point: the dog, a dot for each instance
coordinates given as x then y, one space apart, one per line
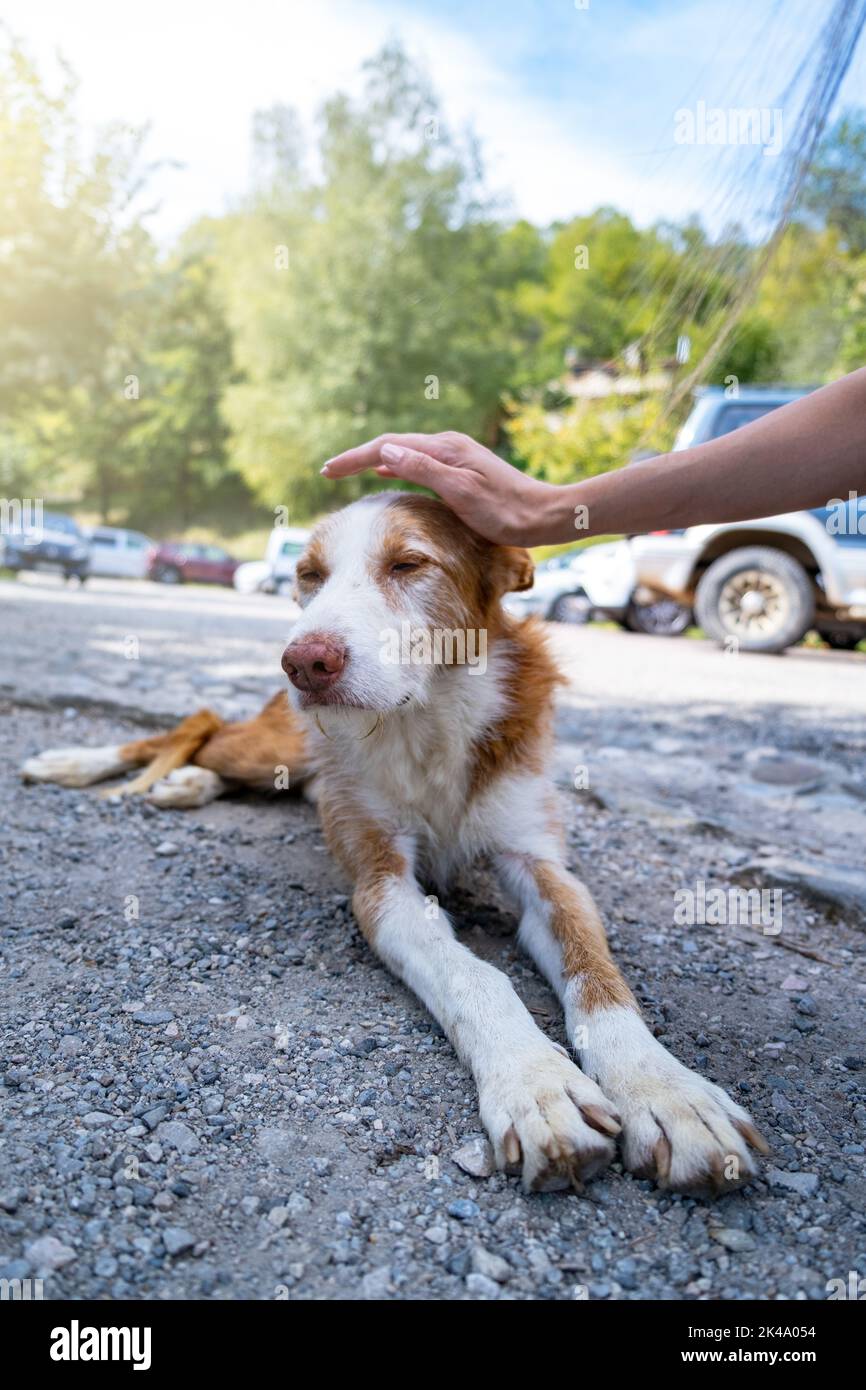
423 761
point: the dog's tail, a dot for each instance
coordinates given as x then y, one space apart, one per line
174 750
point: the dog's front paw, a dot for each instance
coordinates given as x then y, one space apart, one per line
678 1127
687 1133
548 1120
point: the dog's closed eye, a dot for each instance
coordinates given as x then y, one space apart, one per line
407 564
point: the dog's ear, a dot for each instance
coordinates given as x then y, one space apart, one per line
513 569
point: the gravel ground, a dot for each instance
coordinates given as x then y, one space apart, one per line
213 1090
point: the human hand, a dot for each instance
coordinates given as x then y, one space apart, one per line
488 494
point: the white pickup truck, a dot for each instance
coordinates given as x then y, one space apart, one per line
762 584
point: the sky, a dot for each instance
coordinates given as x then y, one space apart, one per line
575 101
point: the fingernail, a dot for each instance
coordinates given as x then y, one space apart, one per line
391 453
325 468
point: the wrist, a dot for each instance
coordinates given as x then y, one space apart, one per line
534 514
561 514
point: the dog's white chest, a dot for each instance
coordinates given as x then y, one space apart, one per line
415 775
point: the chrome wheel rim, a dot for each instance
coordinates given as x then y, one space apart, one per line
753 603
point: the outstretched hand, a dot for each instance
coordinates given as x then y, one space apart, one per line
488 494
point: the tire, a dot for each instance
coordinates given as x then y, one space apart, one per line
664 618
167 574
758 596
842 641
570 608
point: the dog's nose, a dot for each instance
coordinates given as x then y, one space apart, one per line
314 663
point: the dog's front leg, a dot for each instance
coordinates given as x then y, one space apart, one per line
542 1114
677 1126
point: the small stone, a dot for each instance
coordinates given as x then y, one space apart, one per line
176 1240
475 1157
804 1184
154 1117
481 1287
733 1239
490 1265
166 847
177 1135
437 1235
376 1284
794 983
464 1210
278 1216
49 1253
96 1118
150 1018
625 1272
787 772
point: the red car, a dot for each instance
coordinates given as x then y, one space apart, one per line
178 562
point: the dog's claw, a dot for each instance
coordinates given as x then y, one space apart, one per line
600 1119
511 1145
752 1136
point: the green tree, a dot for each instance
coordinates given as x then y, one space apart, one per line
375 296
834 192
74 261
178 435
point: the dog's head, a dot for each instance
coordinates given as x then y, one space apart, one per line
394 589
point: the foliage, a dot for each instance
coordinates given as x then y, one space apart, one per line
835 189
372 298
589 437
367 283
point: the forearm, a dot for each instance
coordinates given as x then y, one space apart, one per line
799 456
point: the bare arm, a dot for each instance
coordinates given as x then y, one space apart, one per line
799 456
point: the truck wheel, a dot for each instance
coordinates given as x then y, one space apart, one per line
570 608
664 618
167 574
758 596
840 640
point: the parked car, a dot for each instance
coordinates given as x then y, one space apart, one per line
598 582
58 544
767 582
119 554
275 574
178 562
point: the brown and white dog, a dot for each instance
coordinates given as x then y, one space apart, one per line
424 760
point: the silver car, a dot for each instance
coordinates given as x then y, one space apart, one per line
119 554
